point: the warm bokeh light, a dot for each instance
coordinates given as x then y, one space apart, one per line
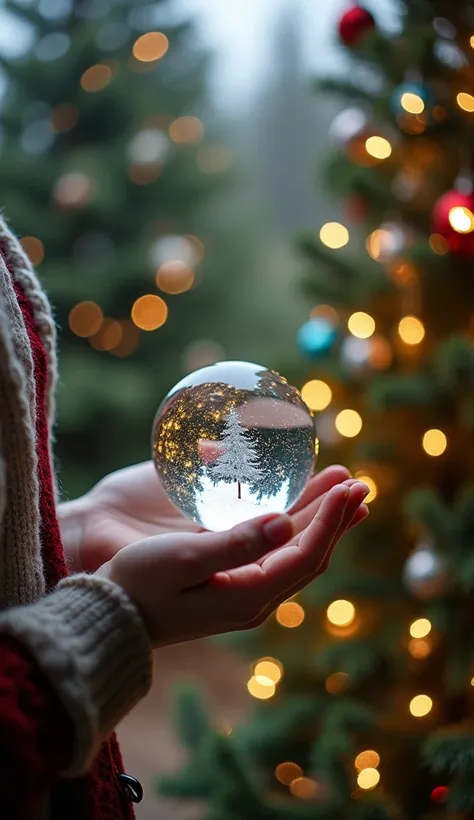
367 759
381 354
419 648
316 394
149 312
73 190
465 101
461 219
290 614
175 277
434 442
304 787
269 668
378 147
412 103
439 244
368 778
150 47
96 77
142 174
369 481
214 159
325 312
420 705
33 248
64 118
334 235
348 423
361 325
261 688
186 130
420 628
403 272
472 681
337 683
128 341
108 336
341 613
287 772
471 41
197 245
411 330
85 319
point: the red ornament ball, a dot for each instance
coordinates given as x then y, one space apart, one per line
354 23
453 219
439 794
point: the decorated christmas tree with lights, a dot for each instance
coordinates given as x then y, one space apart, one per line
364 682
109 166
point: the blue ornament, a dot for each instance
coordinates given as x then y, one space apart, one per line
412 98
316 336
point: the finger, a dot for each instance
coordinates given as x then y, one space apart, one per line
303 518
320 484
215 552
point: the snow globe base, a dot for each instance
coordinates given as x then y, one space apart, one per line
231 442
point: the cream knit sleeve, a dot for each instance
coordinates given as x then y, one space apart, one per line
89 639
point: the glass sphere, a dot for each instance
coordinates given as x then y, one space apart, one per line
233 441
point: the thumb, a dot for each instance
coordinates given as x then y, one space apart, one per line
244 544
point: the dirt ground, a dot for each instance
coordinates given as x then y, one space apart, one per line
147 736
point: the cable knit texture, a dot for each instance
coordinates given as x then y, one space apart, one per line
85 635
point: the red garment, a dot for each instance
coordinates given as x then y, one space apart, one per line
30 712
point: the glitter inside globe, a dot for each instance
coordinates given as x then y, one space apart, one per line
233 441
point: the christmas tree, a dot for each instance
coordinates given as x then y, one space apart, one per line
237 463
366 679
111 160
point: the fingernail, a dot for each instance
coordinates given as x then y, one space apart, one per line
278 530
363 487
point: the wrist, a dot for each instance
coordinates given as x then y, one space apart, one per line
72 517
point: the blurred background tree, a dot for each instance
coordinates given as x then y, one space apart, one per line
364 682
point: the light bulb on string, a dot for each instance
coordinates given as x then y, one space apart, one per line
420 628
341 613
434 442
420 705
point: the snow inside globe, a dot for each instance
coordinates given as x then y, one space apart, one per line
233 441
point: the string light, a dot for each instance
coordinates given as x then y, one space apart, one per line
471 41
186 130
438 244
378 147
304 787
175 277
434 442
420 628
361 325
149 312
412 103
348 423
336 683
261 688
380 356
368 778
290 614
334 235
325 312
108 336
465 101
286 772
411 330
461 219
341 613
269 668
96 77
85 319
64 118
472 681
316 394
419 648
367 760
150 47
370 483
421 705
33 248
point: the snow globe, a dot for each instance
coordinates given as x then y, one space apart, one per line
233 441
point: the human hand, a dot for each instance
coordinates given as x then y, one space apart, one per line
131 504
191 585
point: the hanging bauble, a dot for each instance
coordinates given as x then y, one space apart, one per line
354 23
412 97
453 219
425 573
317 336
389 241
348 125
233 441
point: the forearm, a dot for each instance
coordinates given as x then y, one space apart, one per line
89 641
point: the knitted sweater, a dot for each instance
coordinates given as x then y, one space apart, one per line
74 654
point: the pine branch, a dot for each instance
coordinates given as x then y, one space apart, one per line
425 507
191 719
389 392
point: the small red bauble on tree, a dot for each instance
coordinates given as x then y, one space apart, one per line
453 219
354 23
